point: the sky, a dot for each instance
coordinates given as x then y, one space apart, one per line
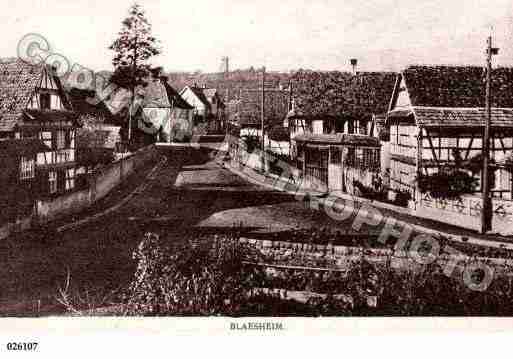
283 35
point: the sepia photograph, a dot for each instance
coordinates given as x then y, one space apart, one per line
259 165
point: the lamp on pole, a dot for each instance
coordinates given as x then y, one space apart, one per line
486 214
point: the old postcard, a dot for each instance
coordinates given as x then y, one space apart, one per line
255 167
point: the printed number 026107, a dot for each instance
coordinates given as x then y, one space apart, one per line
25 346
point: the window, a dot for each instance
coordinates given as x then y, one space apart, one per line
70 178
27 168
359 158
52 181
45 101
61 139
46 136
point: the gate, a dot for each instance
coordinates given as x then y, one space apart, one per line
316 166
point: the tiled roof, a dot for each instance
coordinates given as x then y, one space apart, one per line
276 106
81 105
462 117
17 83
341 94
200 94
338 139
177 100
457 86
154 94
159 93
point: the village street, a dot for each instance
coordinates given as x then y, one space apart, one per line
190 193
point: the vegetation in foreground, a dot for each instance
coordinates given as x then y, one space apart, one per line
218 275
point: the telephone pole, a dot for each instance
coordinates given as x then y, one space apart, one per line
486 214
262 119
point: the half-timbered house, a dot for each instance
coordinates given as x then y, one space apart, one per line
436 121
337 110
165 114
33 106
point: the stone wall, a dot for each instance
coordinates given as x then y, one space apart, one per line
100 184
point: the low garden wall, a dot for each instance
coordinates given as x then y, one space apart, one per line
466 212
329 257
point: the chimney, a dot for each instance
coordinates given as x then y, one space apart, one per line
354 63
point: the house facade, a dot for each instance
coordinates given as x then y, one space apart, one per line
331 127
18 177
338 102
33 106
208 106
436 122
338 162
163 115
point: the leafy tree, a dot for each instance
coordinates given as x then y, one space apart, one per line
133 48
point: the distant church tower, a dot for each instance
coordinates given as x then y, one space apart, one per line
225 64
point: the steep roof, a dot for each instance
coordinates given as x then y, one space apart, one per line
153 94
159 93
455 96
79 101
17 83
177 100
200 94
250 107
342 94
457 86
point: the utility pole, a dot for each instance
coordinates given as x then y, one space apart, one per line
226 109
486 214
262 119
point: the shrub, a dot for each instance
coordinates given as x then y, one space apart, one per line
200 277
448 184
